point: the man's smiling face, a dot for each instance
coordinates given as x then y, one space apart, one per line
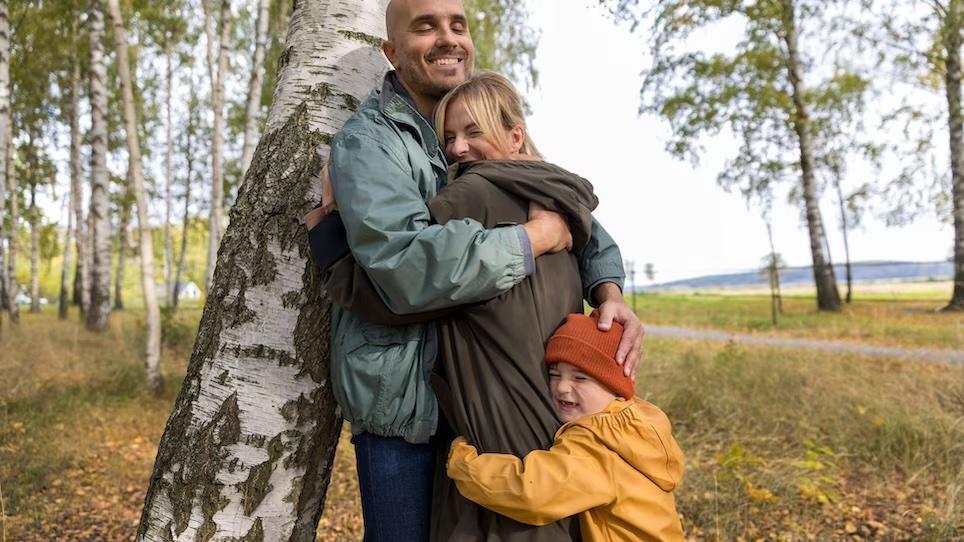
430 47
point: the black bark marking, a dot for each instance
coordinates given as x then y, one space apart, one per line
372 41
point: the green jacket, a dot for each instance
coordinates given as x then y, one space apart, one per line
385 165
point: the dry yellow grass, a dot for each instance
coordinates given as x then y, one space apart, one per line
779 445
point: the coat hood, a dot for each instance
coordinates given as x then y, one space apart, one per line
547 184
641 434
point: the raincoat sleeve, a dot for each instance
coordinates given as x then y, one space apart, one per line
415 265
600 261
572 476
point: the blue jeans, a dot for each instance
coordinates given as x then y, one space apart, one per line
395 481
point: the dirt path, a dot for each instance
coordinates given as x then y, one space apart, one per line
919 354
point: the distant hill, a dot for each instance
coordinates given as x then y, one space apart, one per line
862 272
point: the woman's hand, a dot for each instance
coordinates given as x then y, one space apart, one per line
548 231
327 200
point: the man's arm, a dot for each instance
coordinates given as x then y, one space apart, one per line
601 268
415 265
546 486
599 262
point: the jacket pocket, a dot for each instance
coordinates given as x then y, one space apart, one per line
376 375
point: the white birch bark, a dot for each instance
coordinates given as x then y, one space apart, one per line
72 222
247 451
152 347
254 87
828 297
98 313
168 157
217 68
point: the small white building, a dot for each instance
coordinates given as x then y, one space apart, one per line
189 290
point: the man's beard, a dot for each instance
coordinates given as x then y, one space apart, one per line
429 88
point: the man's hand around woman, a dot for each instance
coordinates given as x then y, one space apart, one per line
613 307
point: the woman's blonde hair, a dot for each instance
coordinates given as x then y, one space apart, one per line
494 106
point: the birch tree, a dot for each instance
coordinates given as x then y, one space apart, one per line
4 142
98 314
254 86
921 40
73 221
760 92
152 347
168 172
189 135
951 40
247 451
81 286
217 68
34 170
124 242
14 197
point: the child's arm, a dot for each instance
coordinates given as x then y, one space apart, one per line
548 485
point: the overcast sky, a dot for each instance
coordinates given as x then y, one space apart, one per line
659 209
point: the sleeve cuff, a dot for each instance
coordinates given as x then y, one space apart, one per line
529 262
591 298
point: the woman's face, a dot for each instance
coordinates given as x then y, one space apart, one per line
465 142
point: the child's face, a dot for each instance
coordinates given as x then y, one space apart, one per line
576 394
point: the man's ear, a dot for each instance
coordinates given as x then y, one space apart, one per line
388 48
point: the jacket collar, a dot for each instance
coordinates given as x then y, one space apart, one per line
395 104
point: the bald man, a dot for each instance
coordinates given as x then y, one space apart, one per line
386 164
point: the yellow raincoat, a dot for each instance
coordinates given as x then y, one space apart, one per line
616 468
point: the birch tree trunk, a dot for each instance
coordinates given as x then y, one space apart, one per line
4 143
74 189
247 451
152 347
33 219
13 287
254 87
98 313
828 298
954 21
186 217
123 248
81 276
846 242
168 156
216 72
63 300
185 231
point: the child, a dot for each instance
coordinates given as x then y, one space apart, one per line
614 462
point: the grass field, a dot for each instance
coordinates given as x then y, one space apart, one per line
780 445
900 315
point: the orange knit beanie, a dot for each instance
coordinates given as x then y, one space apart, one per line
580 343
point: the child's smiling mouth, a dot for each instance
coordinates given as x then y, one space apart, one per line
566 406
